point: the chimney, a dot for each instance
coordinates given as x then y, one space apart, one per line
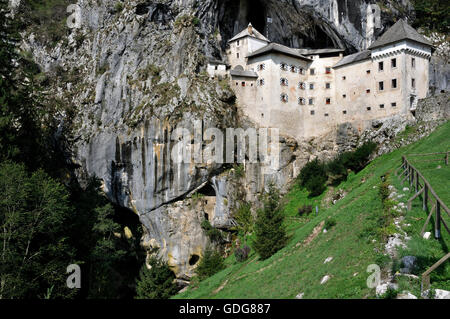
250 29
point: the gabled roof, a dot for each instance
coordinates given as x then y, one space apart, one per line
275 47
243 73
244 33
398 32
360 56
319 51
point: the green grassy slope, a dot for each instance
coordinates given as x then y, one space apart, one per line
299 267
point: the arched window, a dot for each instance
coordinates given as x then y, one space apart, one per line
302 85
293 69
284 97
261 67
261 82
284 82
301 101
284 66
301 71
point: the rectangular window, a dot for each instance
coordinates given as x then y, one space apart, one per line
381 86
238 43
369 108
381 106
312 112
328 70
394 104
394 63
313 71
243 83
328 100
394 83
413 83
368 91
380 66
311 86
311 101
344 112
328 85
368 71
413 63
237 54
326 114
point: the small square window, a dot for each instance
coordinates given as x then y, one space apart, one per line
243 83
368 91
328 100
394 83
312 112
344 96
311 86
328 85
368 71
381 106
326 114
344 78
369 108
327 70
394 63
394 104
344 112
313 71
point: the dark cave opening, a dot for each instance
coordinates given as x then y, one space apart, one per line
256 15
193 260
298 30
207 190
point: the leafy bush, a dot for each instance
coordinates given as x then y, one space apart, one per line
244 218
305 210
157 282
269 228
384 191
241 254
337 171
213 233
211 263
329 223
313 177
357 160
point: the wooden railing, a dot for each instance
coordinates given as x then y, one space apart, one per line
429 196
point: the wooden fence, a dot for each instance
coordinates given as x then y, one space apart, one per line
429 197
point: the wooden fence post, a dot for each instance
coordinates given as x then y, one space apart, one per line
417 182
446 158
425 197
437 231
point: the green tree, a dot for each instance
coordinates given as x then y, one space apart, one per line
35 253
211 263
269 228
244 218
156 282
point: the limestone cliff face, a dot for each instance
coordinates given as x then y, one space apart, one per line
132 73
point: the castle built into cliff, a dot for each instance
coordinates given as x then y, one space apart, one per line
310 92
